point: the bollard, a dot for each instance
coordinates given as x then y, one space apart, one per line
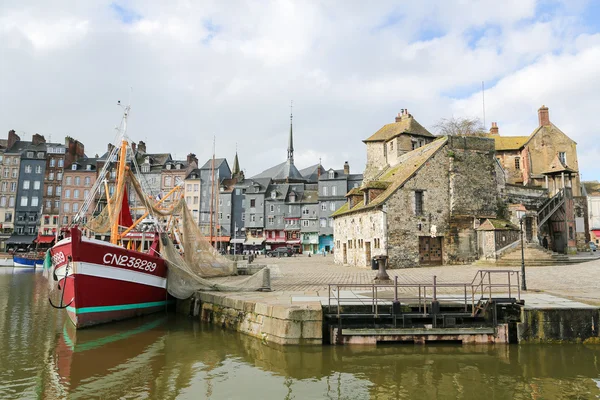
266 281
382 274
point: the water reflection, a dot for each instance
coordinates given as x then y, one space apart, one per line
166 357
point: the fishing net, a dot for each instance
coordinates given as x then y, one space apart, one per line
189 269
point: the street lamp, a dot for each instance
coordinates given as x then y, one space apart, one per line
521 216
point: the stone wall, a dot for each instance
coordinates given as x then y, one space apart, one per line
472 176
507 159
252 314
530 196
348 230
404 227
376 160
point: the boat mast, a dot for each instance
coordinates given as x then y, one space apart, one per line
117 198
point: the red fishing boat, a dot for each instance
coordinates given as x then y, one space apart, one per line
101 281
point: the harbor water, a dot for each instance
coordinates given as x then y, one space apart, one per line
166 356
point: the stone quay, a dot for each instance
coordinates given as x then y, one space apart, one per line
562 303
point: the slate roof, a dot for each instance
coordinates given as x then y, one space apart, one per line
312 173
218 162
397 176
407 124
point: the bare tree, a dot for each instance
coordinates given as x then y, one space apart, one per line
460 126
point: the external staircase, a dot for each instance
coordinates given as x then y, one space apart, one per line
534 255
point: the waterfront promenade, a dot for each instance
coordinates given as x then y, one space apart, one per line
311 275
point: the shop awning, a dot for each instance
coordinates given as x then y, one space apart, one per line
293 241
20 239
254 241
596 232
238 241
45 239
219 238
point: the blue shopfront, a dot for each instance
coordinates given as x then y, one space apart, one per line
326 243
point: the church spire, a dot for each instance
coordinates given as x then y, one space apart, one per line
236 173
290 150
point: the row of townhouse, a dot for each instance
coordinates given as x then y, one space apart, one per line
281 206
45 185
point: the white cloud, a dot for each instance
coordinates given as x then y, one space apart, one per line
230 70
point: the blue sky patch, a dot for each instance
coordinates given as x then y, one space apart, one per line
212 30
126 15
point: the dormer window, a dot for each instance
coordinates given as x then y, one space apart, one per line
74 167
331 174
273 194
169 166
30 154
147 160
88 167
40 154
292 197
178 166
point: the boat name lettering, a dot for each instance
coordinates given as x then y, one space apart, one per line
127 261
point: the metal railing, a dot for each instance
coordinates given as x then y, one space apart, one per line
422 295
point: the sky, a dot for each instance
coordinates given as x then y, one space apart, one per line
197 70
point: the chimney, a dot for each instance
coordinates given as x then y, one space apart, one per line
133 147
399 117
346 168
141 147
12 138
494 129
544 116
192 158
37 139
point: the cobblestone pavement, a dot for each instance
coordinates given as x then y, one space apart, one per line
311 275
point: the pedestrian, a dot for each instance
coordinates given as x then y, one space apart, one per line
545 242
324 253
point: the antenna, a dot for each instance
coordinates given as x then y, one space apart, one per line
483 100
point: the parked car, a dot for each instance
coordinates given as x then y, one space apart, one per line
281 252
593 246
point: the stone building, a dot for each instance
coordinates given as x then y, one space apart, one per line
388 144
547 158
424 209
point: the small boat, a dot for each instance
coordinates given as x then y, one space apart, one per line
27 260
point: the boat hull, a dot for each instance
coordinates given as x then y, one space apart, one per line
102 282
24 262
